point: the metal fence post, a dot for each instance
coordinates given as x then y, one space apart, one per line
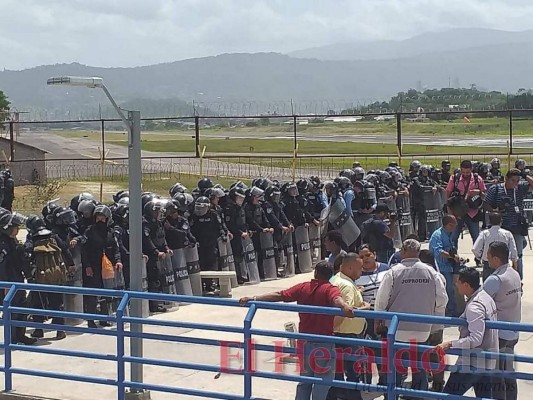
248 349
295 131
8 376
399 135
121 373
11 142
510 132
391 372
197 135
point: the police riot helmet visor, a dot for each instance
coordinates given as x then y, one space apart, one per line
67 217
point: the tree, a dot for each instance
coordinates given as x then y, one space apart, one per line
4 106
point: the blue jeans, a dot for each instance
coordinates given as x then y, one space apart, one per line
519 240
473 228
450 291
318 361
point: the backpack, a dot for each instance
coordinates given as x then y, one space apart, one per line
49 265
369 235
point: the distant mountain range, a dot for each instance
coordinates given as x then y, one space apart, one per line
357 72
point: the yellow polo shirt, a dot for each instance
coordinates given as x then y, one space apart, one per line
352 296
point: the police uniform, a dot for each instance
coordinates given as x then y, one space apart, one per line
236 223
257 221
207 229
153 242
14 267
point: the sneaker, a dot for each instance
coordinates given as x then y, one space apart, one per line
104 324
92 324
61 335
37 333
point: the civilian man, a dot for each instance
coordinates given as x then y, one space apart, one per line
494 234
411 287
505 287
318 357
475 336
508 199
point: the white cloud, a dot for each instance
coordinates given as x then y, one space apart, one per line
140 32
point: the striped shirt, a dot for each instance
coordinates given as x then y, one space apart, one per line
500 197
370 281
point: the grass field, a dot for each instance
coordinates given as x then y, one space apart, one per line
351 145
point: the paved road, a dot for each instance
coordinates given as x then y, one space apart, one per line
80 157
440 140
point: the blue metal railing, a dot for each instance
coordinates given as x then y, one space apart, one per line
121 358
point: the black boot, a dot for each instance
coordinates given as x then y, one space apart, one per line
20 337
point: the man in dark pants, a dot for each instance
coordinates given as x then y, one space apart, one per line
505 287
14 268
257 222
236 224
317 292
475 336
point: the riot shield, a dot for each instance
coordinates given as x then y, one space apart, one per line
231 263
181 274
193 268
166 277
288 251
343 222
314 239
222 255
250 261
269 255
405 222
431 204
74 302
390 202
303 247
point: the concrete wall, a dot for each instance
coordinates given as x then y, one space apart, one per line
28 164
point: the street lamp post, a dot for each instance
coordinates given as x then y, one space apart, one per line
133 125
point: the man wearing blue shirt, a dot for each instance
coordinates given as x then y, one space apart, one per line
442 248
508 199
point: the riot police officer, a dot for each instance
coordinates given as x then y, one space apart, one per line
414 167
417 199
495 170
207 227
446 168
9 190
257 222
14 267
122 233
236 223
522 166
316 199
154 245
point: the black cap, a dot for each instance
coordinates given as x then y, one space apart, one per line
382 208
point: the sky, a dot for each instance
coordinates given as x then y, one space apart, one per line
143 32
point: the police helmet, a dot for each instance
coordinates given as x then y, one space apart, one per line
124 200
154 209
359 173
315 182
425 170
356 164
303 186
347 173
86 208
239 184
385 177
204 184
290 188
34 223
214 192
396 175
256 192
445 165
415 165
104 210
237 194
484 169
273 194
177 188
372 179
201 206
146 197
393 164
64 216
121 214
495 163
120 194
520 164
9 220
7 173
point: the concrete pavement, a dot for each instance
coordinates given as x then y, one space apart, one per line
226 316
